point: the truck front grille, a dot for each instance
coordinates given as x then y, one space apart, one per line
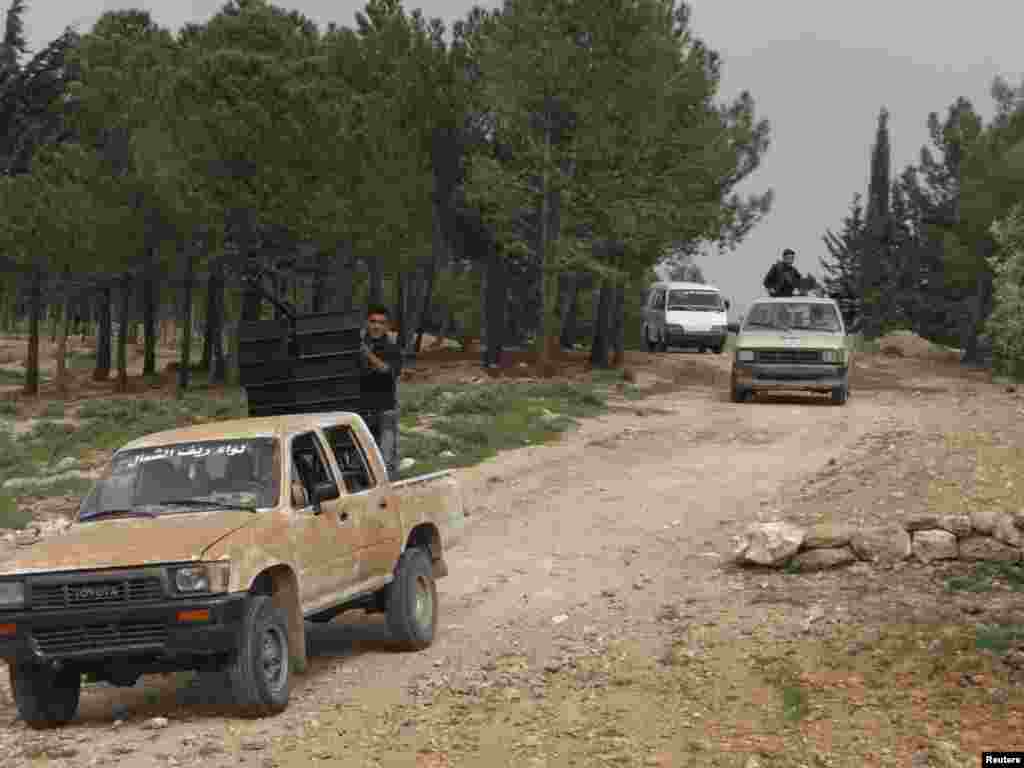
788 356
56 641
86 594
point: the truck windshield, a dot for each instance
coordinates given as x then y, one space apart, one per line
794 315
183 477
706 301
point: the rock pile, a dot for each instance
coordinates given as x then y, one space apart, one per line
985 535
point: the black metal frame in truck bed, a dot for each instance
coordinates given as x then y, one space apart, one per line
300 363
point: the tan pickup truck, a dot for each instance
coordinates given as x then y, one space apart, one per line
207 548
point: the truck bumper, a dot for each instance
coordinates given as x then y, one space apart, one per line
681 337
809 378
164 630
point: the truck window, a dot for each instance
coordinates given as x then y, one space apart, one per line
309 459
355 469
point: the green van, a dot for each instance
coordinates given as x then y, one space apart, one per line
796 343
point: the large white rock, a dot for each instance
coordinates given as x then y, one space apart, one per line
770 543
882 544
935 545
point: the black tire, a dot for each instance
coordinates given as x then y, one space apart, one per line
651 346
411 595
840 395
718 349
741 395
45 698
662 345
260 672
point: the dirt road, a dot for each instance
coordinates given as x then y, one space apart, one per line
569 546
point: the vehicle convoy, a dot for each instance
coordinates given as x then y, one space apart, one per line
208 547
796 343
685 315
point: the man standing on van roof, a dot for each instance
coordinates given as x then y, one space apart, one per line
783 278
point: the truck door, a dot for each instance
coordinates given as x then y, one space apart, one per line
375 509
325 543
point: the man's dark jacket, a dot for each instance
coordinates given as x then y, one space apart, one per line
782 279
379 388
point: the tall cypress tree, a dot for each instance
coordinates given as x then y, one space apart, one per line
876 254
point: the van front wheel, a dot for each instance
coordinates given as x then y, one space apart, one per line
651 346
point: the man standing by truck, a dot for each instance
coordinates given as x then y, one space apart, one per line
382 365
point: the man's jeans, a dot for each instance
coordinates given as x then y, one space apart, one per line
384 427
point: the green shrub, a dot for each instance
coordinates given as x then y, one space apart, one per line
1005 325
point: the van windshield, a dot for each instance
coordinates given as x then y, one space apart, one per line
704 301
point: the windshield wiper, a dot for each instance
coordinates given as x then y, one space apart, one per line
204 503
113 512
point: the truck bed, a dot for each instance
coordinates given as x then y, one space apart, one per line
434 497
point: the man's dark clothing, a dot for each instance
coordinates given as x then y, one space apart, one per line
782 279
379 399
380 388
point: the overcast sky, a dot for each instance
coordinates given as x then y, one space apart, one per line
819 70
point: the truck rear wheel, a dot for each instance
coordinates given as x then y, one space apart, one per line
260 674
45 697
412 601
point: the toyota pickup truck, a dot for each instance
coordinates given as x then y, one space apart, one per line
207 548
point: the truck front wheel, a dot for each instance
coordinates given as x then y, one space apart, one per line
259 673
412 601
45 697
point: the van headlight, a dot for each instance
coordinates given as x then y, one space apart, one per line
745 355
207 577
12 594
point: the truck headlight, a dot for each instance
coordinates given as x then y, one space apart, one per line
832 356
12 594
208 577
745 355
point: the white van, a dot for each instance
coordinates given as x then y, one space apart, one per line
685 315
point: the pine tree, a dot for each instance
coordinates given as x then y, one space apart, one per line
842 270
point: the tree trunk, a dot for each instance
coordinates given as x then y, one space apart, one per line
542 341
149 324
375 293
34 317
122 336
438 247
618 324
600 348
213 332
323 273
186 320
55 317
495 306
104 331
62 347
215 322
568 290
401 322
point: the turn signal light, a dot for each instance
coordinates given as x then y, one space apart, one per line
198 614
8 630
